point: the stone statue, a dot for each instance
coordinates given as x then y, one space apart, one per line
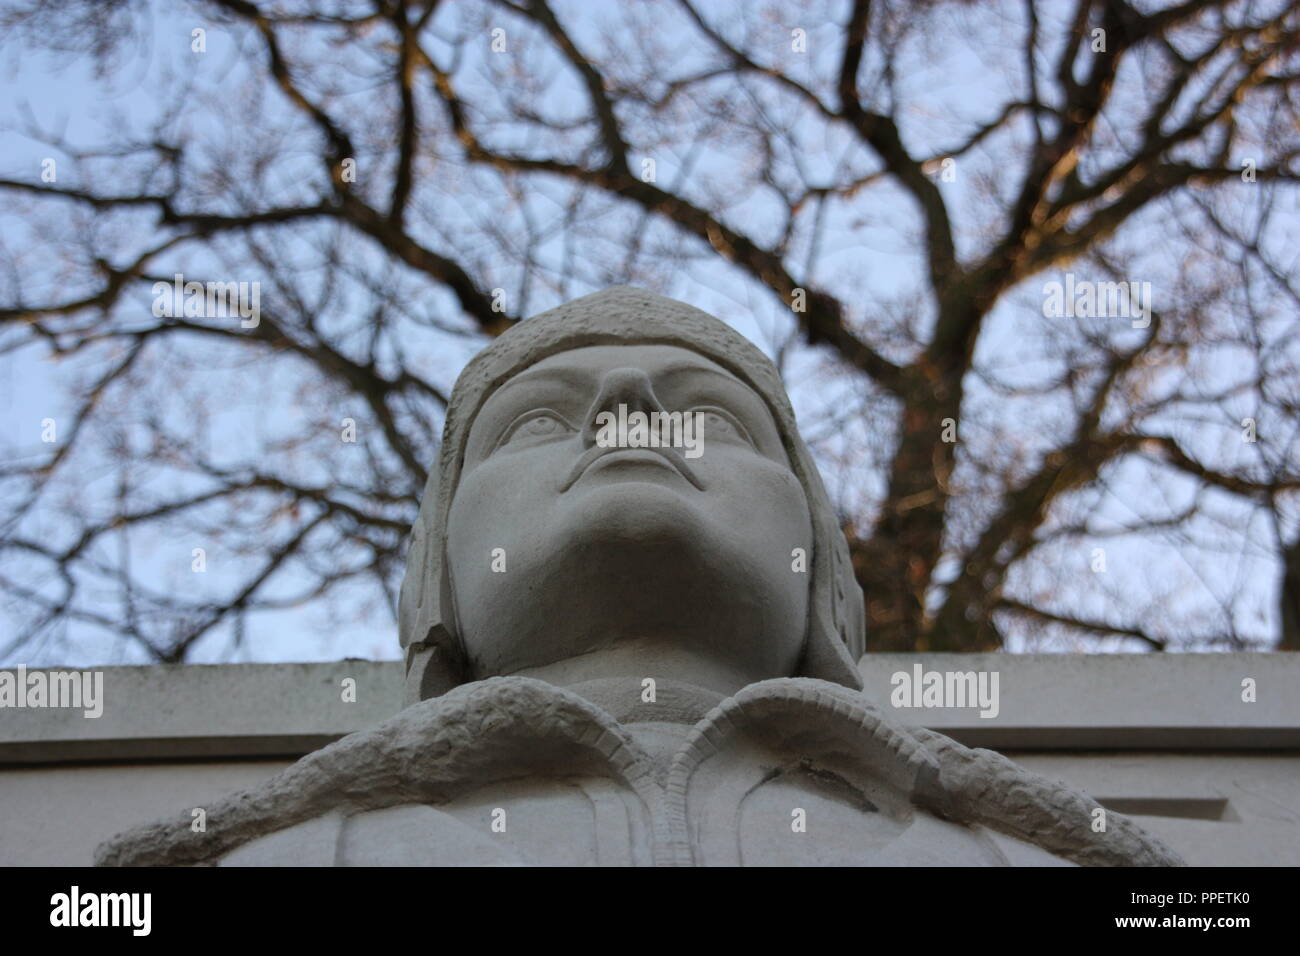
630 651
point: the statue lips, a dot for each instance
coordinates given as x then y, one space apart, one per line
668 457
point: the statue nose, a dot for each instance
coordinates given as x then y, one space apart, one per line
620 386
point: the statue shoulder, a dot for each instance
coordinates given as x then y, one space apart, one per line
920 796
431 754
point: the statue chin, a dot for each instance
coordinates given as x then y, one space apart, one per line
634 583
636 522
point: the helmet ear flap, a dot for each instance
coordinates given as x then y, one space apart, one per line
849 601
836 619
434 667
435 658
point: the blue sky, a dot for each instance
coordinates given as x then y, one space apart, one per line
862 259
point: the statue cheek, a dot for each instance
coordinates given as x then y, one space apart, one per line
775 486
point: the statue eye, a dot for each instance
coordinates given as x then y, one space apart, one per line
537 425
721 424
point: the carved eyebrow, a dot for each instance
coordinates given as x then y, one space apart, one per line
579 378
576 378
680 368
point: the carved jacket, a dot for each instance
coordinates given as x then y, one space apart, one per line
511 770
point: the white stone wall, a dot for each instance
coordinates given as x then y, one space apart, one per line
1164 738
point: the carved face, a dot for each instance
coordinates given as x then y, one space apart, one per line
669 562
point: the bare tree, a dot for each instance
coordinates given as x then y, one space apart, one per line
1029 269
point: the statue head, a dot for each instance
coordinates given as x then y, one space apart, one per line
543 549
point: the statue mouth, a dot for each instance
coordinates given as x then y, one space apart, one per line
664 457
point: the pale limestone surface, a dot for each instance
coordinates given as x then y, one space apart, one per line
578 788
583 572
1220 784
